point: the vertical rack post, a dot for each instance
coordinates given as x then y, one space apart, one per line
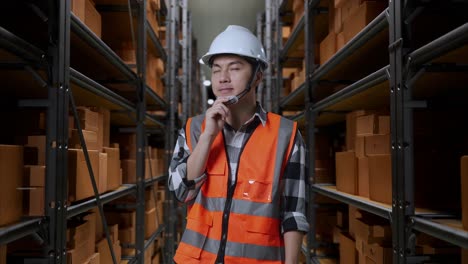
260 37
57 128
190 66
172 51
268 43
141 132
310 118
184 77
278 46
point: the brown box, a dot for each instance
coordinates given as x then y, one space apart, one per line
380 178
102 172
151 223
123 218
114 178
346 172
376 253
340 41
90 138
373 230
79 182
367 125
3 254
78 8
92 18
127 236
94 259
89 119
103 132
38 142
360 146
384 125
102 247
355 20
33 201
327 47
363 177
34 175
377 145
11 175
351 128
464 256
464 190
129 170
348 253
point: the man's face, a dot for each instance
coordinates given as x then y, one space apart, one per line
229 75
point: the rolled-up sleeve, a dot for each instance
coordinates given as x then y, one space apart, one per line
184 190
294 189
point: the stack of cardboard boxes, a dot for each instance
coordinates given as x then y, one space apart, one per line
346 19
365 167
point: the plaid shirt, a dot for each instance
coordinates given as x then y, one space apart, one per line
293 180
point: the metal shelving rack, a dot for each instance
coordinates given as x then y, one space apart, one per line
65 34
390 80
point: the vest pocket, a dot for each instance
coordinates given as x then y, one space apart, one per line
216 182
262 233
256 191
195 236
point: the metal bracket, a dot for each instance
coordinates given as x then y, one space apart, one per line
36 76
393 46
38 12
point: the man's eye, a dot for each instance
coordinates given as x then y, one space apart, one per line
235 69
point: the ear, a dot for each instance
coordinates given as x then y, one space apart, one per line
258 78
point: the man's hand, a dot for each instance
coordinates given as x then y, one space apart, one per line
215 117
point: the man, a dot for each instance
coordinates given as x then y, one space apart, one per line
241 170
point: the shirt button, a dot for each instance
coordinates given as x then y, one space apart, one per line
225 216
224 237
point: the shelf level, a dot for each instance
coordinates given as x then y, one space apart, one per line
105 198
363 203
449 230
20 48
451 47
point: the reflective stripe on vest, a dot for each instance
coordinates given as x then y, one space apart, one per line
254 230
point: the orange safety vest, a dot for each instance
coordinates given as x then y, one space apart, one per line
250 208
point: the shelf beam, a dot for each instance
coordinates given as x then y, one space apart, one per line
294 35
443 232
365 205
26 227
446 43
105 198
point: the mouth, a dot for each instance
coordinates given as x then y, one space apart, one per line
225 91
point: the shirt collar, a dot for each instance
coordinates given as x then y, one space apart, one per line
261 114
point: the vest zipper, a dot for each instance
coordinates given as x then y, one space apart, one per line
230 193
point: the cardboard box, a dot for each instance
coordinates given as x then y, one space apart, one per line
79 181
33 201
93 18
346 172
340 41
356 19
11 175
94 259
384 125
78 8
348 252
464 256
360 146
127 236
351 127
103 132
3 254
373 230
380 178
102 172
376 253
464 190
327 47
89 120
367 125
151 224
102 247
90 137
363 177
91 218
34 175
38 142
129 170
123 218
114 178
377 145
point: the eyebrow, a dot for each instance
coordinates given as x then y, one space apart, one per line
229 64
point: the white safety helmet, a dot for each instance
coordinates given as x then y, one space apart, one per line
239 41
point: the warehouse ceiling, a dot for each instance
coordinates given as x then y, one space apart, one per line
210 17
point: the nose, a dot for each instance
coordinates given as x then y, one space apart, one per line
224 77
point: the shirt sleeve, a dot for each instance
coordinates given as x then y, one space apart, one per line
184 190
294 193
